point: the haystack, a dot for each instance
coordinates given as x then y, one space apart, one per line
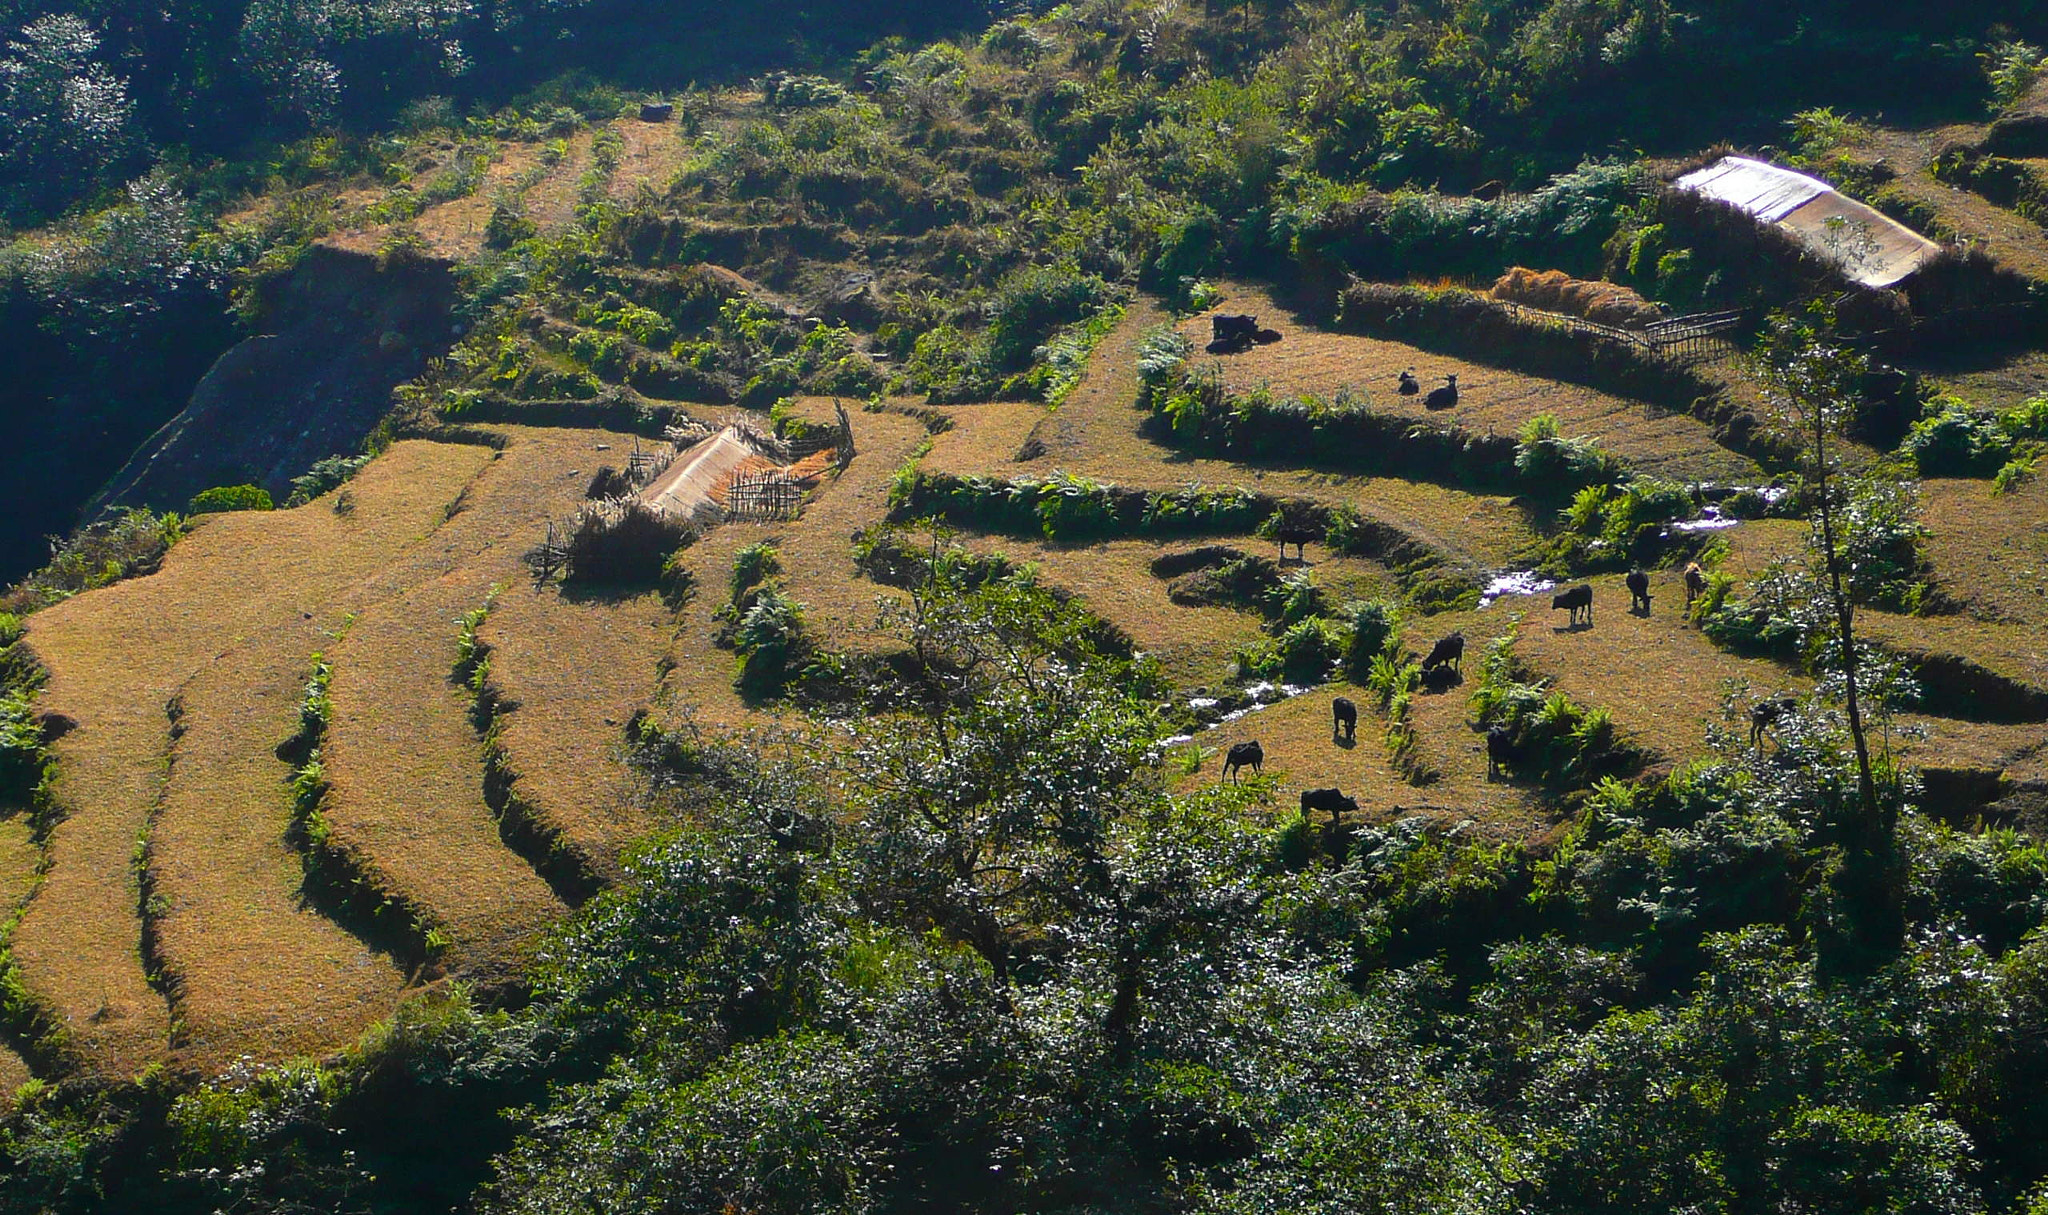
1593 299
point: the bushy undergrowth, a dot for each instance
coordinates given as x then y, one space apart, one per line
1068 507
1954 440
127 545
1550 736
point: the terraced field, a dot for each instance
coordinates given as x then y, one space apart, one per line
178 912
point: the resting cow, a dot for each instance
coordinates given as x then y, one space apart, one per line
1224 325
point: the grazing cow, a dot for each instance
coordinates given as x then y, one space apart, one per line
1408 385
1695 583
1500 749
1450 652
1345 715
1442 398
1764 714
1223 325
1578 600
1244 755
1327 799
1638 592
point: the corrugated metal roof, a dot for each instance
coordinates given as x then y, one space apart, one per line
1870 247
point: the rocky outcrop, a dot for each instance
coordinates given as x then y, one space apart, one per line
339 332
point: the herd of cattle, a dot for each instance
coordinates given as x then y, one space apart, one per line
1448 655
1236 333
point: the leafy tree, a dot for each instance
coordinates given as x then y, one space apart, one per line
65 120
1813 372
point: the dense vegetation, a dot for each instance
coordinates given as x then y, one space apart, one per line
1004 970
976 954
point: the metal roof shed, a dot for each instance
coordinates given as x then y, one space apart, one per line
1867 246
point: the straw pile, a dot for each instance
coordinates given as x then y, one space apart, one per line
1556 291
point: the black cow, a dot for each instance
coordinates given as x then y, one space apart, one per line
1327 799
1450 651
1695 583
1578 600
1408 385
1442 398
1346 718
1224 325
1244 755
1765 714
1638 592
1500 749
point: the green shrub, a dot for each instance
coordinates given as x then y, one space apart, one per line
1375 630
128 545
1075 508
751 567
1553 737
1957 441
769 637
1307 653
507 226
1031 303
2027 420
2014 474
323 476
1549 464
229 497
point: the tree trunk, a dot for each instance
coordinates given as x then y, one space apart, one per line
1866 784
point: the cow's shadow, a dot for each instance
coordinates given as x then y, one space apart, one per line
1346 741
1576 626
